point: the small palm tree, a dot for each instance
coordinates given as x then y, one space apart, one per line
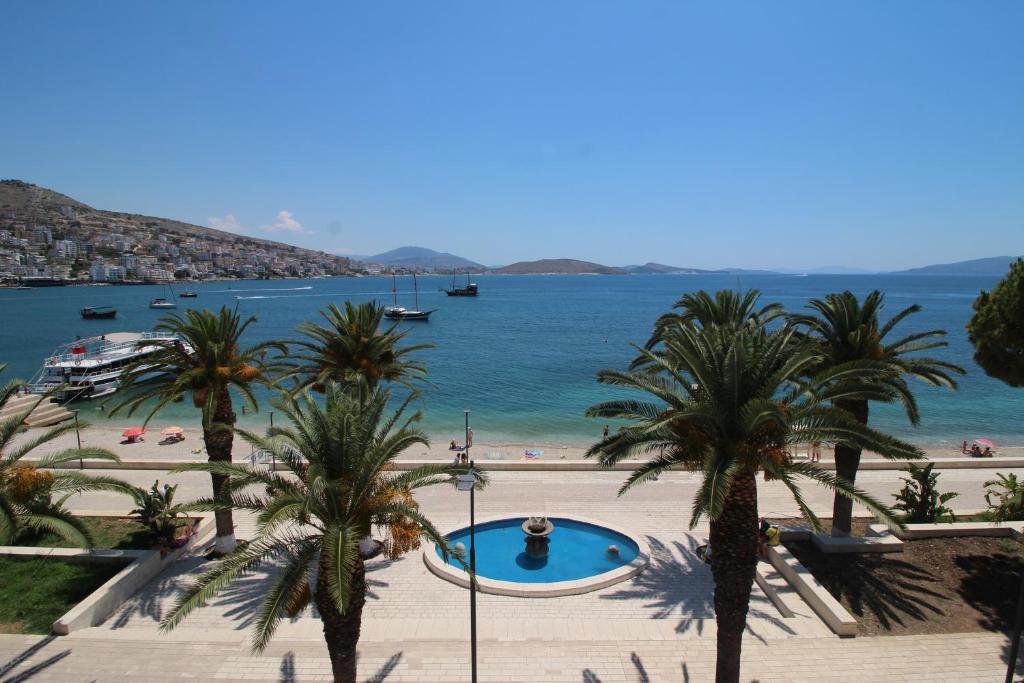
848 331
353 345
206 360
728 402
343 485
27 489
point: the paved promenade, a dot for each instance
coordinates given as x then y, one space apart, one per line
657 627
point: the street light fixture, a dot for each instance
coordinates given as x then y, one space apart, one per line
467 482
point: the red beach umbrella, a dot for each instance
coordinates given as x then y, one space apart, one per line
133 432
986 442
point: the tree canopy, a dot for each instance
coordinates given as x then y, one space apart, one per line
997 328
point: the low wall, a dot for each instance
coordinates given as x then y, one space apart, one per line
554 464
814 594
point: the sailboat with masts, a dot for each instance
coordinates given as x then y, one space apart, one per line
163 302
397 312
471 288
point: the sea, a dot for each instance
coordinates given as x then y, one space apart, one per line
523 356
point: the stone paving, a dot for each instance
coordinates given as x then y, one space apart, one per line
658 626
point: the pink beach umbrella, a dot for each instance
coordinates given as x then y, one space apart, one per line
986 442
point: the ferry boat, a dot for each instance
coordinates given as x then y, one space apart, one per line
92 367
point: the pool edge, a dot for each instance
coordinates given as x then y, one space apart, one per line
552 589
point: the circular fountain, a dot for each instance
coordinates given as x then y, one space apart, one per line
530 556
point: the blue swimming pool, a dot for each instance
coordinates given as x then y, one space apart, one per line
577 550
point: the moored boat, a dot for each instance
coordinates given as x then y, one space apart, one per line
92 367
160 302
397 312
98 313
188 294
471 288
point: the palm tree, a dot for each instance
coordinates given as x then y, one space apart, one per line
728 401
343 484
27 488
725 307
848 331
205 359
354 345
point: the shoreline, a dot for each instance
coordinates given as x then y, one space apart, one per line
155 447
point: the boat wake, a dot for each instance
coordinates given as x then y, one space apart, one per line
267 289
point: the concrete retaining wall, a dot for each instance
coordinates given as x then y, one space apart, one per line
553 464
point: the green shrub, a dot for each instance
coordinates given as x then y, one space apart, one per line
1008 494
920 499
156 509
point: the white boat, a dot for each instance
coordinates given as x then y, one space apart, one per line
92 367
164 302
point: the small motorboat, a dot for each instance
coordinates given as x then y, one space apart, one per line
98 313
162 303
188 294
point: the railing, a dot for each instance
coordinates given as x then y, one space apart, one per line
110 347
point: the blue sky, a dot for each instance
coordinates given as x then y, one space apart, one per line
782 134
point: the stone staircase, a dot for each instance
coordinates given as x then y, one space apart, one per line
47 413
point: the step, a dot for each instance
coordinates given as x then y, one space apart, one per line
44 416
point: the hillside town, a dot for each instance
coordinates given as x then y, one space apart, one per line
42 240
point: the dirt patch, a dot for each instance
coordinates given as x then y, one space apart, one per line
938 585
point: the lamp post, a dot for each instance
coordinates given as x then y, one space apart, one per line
78 437
1011 664
273 456
467 482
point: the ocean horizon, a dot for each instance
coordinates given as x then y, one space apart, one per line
523 356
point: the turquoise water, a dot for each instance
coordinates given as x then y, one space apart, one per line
523 355
577 550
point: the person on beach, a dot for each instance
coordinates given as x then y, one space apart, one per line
606 431
964 449
469 438
816 451
453 446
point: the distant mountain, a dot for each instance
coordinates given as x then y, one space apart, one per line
995 265
421 257
560 266
660 268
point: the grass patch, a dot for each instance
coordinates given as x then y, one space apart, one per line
114 533
35 592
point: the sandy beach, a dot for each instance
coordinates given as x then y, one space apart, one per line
155 447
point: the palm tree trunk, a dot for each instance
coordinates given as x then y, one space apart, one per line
219 443
847 463
341 631
733 562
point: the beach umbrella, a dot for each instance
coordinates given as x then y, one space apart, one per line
986 442
133 432
171 431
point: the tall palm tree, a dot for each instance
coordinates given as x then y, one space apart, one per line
343 484
27 488
849 331
728 401
352 345
206 360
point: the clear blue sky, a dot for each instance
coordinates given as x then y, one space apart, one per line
762 134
